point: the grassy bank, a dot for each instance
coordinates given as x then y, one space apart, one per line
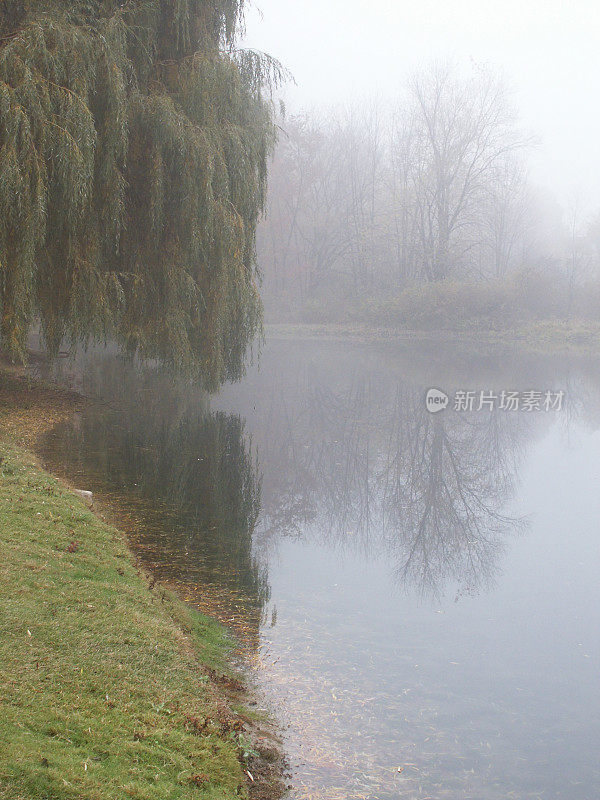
109 688
103 689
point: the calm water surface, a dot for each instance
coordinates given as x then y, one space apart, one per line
418 595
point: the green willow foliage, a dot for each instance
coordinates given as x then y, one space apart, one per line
133 146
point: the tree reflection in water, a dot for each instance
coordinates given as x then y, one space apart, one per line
447 479
368 468
349 462
178 477
356 463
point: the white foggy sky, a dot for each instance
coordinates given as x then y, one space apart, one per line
548 50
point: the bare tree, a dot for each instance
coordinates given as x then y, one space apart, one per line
324 203
578 255
362 202
506 219
360 150
453 136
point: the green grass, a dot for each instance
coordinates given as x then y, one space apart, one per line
102 688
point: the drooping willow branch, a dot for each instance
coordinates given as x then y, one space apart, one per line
133 146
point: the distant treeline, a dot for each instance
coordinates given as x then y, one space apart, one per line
419 208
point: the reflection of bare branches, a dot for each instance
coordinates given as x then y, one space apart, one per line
365 466
350 458
446 477
315 462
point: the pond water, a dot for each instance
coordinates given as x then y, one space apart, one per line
417 594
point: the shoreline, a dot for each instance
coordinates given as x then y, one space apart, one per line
547 338
70 579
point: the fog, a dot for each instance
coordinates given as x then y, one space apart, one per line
427 143
303 300
548 52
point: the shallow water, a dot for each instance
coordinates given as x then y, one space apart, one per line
417 594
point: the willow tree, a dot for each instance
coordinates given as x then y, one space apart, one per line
134 138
